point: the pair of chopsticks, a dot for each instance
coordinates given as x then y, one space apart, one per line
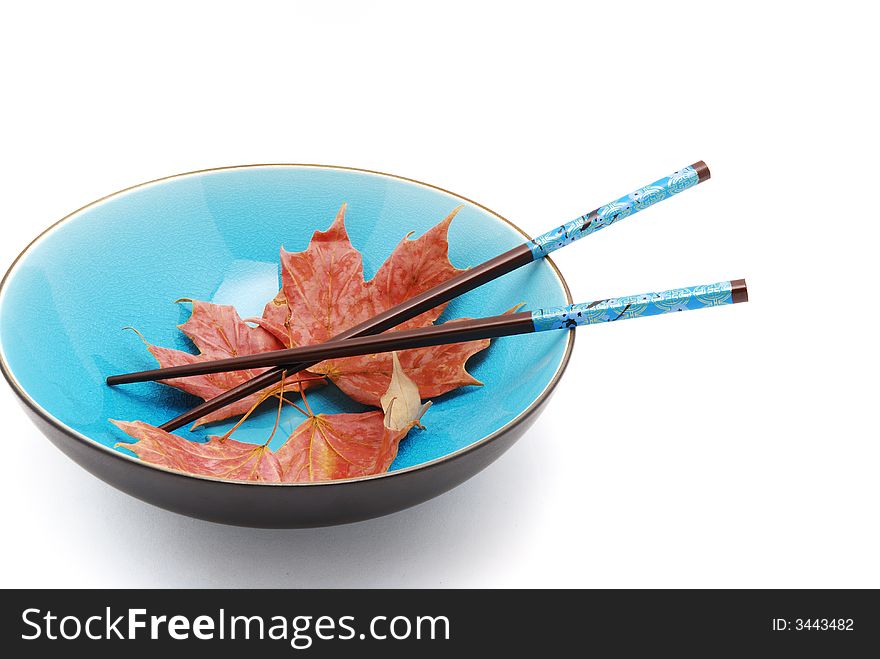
359 340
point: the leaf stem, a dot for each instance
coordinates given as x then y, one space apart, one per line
229 432
302 394
280 395
294 405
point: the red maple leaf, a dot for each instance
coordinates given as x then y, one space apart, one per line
323 293
332 446
323 447
218 332
322 290
220 458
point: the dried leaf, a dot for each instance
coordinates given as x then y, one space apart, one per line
333 446
322 294
435 370
414 267
401 402
218 332
218 458
322 290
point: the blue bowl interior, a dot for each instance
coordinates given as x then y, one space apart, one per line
215 236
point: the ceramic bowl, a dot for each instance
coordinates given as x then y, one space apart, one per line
214 235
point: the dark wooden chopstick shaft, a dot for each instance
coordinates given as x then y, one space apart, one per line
452 332
462 283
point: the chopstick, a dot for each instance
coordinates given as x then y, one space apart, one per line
474 277
524 322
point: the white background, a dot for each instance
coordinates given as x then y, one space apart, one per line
733 447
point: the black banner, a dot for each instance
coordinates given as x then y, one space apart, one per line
435 623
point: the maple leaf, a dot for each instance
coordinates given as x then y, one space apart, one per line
322 290
323 447
436 370
333 446
323 293
412 268
218 332
220 458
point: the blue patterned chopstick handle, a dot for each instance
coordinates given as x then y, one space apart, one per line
619 209
635 306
